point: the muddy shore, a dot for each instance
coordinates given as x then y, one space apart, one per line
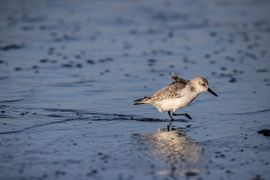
69 72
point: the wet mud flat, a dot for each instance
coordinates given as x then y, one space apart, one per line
69 73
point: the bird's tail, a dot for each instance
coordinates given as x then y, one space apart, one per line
144 100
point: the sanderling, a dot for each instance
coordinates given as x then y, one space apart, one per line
176 95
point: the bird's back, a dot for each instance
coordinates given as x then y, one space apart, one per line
172 91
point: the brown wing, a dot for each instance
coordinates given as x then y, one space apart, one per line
173 90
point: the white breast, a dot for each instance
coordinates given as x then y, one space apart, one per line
174 104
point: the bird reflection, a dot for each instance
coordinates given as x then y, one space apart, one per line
174 146
176 150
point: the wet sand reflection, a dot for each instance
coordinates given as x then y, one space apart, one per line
176 150
174 147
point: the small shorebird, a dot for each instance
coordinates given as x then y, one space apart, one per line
176 95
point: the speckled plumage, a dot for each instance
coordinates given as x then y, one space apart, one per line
171 91
177 94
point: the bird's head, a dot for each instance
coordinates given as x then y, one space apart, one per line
201 85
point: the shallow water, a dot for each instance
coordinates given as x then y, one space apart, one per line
69 73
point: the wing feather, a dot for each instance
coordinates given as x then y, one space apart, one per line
171 91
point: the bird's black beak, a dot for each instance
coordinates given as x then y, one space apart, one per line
212 92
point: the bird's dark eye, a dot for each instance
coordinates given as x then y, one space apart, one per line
203 84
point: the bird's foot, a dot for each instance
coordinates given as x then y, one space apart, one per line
188 116
183 114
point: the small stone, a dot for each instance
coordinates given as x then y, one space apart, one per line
264 132
78 65
18 68
89 61
191 173
213 34
232 80
43 60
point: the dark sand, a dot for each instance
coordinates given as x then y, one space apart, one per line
69 72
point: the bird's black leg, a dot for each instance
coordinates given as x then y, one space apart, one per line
170 114
169 127
182 114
